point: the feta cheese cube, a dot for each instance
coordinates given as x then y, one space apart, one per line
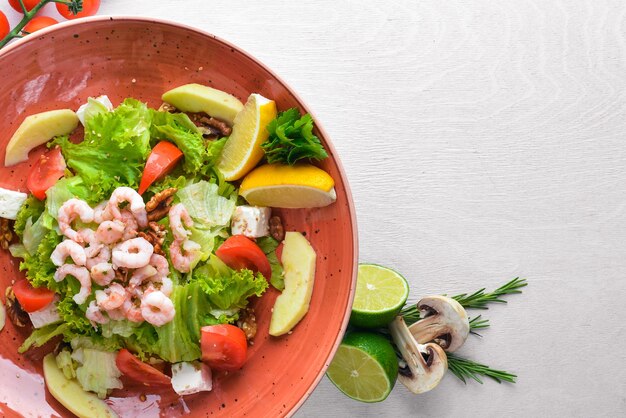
45 316
10 203
189 378
83 108
251 221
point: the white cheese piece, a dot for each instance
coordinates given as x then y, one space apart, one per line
10 203
189 378
82 109
45 316
251 221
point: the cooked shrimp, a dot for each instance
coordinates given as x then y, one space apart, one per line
182 262
164 285
130 225
134 253
160 263
110 231
179 218
102 273
101 213
94 314
68 248
111 297
132 309
69 211
117 314
135 203
156 308
140 275
102 256
89 237
81 274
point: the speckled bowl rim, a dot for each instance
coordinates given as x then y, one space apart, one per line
355 243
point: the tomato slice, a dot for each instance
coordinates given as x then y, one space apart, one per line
139 371
224 347
47 170
239 252
161 161
31 298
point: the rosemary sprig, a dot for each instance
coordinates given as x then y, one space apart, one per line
480 299
75 6
411 315
467 369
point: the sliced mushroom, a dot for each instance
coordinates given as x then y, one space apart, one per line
427 363
444 321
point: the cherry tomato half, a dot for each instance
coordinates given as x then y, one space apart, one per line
239 252
90 8
47 170
38 23
139 371
224 347
31 298
161 161
4 25
29 4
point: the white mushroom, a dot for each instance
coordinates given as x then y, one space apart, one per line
427 363
444 321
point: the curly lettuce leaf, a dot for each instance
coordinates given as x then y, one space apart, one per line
268 245
291 139
39 268
42 335
114 150
179 129
33 234
31 209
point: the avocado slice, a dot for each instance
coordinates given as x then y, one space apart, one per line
36 130
197 98
71 395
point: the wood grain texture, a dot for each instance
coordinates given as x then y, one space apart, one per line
483 141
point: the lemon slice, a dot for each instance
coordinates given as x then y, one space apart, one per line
284 186
243 149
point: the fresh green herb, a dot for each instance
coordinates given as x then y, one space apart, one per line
268 245
480 299
291 139
75 6
467 369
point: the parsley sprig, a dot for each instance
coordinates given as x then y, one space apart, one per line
291 139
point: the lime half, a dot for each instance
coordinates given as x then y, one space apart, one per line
380 295
365 367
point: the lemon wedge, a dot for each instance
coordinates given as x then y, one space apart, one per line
243 149
284 186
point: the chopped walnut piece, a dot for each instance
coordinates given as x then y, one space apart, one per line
6 233
18 316
276 228
159 205
210 126
166 107
247 323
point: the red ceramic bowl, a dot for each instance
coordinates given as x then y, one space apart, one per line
60 67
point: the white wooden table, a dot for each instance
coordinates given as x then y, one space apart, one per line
483 141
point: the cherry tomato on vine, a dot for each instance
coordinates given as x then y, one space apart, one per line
39 23
90 8
29 4
4 25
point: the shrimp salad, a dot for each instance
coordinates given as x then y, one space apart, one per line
145 234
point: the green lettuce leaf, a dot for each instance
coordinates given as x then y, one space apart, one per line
42 335
179 129
39 268
97 371
205 205
93 108
114 150
33 234
66 364
32 208
268 245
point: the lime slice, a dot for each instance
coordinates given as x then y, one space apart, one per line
365 367
380 295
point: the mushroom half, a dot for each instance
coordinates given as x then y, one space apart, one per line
427 363
444 321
